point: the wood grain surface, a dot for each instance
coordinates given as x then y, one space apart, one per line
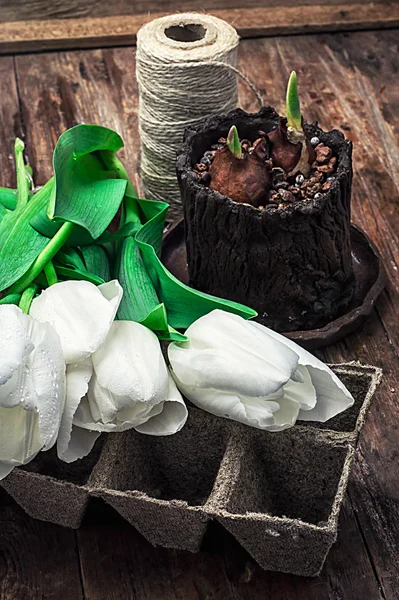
348 81
117 30
29 10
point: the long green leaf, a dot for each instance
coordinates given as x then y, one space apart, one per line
145 280
8 198
69 257
69 273
139 295
84 193
184 305
20 244
49 228
11 299
96 261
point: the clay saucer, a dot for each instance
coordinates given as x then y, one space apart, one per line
369 275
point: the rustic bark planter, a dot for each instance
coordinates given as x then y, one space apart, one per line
293 264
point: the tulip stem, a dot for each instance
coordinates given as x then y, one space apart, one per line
54 245
50 273
22 179
27 297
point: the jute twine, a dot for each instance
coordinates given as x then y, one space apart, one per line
186 71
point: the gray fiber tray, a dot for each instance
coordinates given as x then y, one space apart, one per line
279 494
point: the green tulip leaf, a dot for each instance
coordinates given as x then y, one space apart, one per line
127 230
11 299
49 228
69 257
20 244
8 198
139 295
184 305
96 261
146 282
85 193
69 273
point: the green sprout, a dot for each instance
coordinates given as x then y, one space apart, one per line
233 142
293 108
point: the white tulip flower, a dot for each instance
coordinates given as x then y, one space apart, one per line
32 387
125 384
244 371
80 312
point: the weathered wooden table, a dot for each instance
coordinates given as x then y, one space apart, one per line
349 81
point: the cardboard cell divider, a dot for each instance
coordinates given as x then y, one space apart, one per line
362 381
159 484
51 490
279 494
284 497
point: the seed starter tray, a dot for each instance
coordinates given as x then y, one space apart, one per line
279 494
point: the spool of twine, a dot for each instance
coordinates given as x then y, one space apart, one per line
186 71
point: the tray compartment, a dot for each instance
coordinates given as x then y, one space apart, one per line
362 381
284 505
159 484
50 490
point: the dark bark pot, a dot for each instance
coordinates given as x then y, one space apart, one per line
292 265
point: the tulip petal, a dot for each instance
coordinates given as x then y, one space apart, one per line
77 384
304 393
172 418
113 292
130 367
47 372
256 412
15 344
81 314
80 445
5 470
332 396
226 352
286 415
20 439
85 419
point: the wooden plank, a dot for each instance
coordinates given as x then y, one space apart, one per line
89 32
118 563
60 90
354 580
28 10
38 560
10 123
374 485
